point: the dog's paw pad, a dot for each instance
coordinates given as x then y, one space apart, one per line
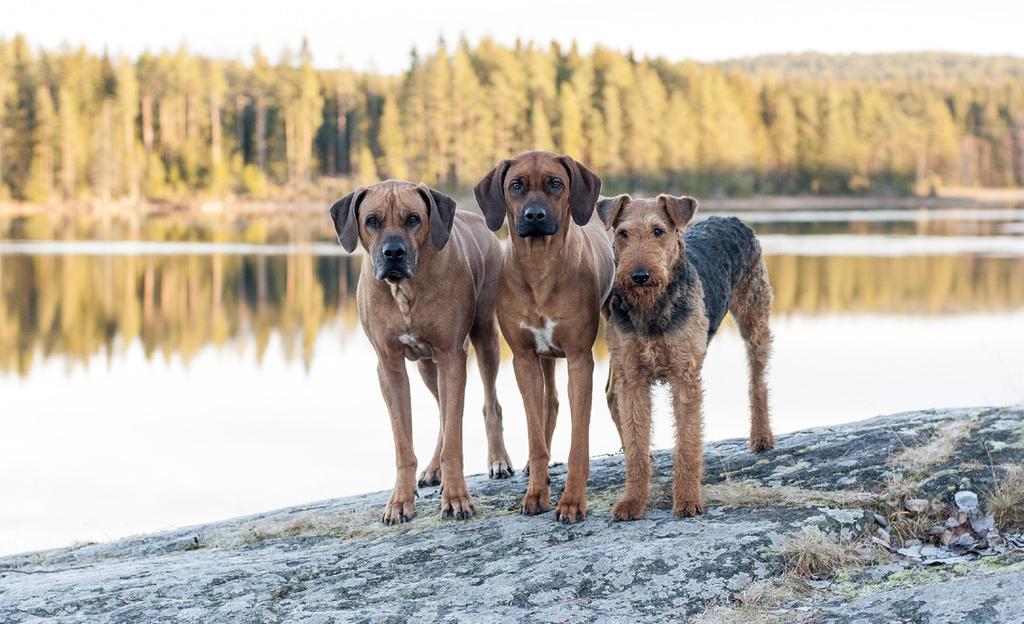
629 509
501 470
534 504
429 477
688 509
397 512
458 507
571 512
760 444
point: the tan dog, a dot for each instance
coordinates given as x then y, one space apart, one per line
426 288
671 292
556 274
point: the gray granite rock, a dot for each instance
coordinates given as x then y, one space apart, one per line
332 561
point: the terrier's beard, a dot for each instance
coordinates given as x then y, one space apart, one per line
642 296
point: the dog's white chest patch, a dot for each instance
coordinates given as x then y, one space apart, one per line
416 349
543 337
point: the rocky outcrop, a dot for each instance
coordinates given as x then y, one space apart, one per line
750 557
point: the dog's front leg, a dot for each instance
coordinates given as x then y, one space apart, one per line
530 377
394 385
633 395
688 463
455 500
572 506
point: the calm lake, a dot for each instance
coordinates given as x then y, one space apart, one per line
173 370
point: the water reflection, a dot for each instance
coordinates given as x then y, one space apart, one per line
75 306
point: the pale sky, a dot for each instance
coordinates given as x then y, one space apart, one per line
379 34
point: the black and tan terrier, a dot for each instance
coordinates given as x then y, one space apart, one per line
673 285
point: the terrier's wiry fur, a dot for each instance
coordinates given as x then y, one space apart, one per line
673 285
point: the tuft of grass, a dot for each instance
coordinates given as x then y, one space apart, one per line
904 526
771 593
1006 501
938 449
812 554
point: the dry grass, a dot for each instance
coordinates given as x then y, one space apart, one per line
812 554
938 449
719 614
746 494
904 526
771 593
1006 501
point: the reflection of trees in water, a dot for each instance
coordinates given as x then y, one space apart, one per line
78 306
927 284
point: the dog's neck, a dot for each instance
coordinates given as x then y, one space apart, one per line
542 260
404 296
431 266
669 312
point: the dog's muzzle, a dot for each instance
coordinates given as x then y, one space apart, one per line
536 220
394 262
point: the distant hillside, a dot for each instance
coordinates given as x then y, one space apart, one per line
912 67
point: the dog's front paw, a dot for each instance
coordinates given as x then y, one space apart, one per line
501 468
399 509
456 504
629 509
571 509
687 508
430 476
536 502
762 442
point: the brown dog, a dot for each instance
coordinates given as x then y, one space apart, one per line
556 274
670 293
428 284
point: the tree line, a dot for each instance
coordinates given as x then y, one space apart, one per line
174 125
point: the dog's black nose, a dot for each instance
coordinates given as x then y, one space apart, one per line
640 276
534 214
393 250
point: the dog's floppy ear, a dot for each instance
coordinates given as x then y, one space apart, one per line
442 214
345 215
680 209
609 208
490 196
584 189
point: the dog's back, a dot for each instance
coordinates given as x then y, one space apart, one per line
720 249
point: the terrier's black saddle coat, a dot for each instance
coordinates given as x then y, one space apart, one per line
718 252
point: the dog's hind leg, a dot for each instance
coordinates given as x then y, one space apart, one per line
751 307
484 337
550 399
431 475
613 406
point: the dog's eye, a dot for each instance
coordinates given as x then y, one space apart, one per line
412 220
623 234
658 231
372 222
555 184
515 186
